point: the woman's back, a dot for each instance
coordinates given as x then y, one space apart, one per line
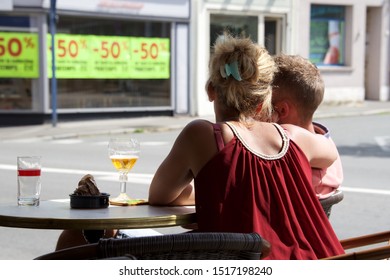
263 185
242 190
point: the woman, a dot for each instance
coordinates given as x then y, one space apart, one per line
249 175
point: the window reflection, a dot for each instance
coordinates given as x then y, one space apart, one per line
237 25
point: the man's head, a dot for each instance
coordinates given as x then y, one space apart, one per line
298 89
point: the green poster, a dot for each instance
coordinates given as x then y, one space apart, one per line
71 53
149 58
19 55
86 56
109 57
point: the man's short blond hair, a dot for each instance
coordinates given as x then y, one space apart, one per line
299 81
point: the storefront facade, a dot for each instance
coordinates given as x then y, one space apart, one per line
134 57
355 58
112 58
347 39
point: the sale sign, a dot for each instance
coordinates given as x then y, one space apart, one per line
110 57
19 55
86 56
149 58
71 56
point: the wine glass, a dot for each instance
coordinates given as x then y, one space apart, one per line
123 153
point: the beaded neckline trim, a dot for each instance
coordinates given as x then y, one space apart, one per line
283 151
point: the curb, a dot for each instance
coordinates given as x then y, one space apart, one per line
74 130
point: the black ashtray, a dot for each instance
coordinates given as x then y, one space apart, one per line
89 201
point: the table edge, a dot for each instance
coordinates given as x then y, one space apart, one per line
119 223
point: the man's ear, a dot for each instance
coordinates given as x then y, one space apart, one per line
283 110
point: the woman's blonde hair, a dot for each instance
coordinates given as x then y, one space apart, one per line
251 88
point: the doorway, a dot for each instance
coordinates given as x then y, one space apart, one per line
372 71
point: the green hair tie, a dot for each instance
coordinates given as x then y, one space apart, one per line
231 69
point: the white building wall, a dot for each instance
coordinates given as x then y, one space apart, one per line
200 21
349 83
200 49
384 90
343 83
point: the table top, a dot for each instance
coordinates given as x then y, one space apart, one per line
57 214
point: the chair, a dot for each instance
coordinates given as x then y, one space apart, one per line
379 252
184 246
327 203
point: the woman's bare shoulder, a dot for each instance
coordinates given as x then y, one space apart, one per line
194 132
200 122
198 126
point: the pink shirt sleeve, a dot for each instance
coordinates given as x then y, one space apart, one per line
326 181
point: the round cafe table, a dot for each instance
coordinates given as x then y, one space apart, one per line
57 214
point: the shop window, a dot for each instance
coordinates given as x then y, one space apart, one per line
273 38
15 94
327 35
236 25
18 62
247 26
112 82
14 21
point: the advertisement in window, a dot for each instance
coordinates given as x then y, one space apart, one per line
327 35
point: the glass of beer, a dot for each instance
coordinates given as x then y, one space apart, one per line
123 153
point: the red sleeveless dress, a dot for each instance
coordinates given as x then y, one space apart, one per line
239 190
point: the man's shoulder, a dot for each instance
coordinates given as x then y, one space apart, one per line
321 129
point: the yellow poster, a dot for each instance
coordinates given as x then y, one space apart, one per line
86 56
19 55
109 57
149 58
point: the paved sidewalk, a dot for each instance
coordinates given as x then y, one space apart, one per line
74 129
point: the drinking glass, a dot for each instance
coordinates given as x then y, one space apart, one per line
29 180
124 153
